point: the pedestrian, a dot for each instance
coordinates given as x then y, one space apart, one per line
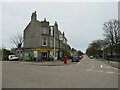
65 59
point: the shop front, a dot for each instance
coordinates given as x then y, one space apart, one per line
44 54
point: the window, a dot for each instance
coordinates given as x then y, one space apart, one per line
51 31
44 30
63 40
51 43
60 37
44 42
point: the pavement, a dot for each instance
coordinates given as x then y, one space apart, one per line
112 63
46 63
61 63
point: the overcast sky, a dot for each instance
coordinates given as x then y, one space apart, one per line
82 22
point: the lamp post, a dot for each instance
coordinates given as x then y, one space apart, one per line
103 53
54 43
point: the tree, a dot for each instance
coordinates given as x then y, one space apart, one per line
17 40
67 53
5 53
79 52
95 48
112 34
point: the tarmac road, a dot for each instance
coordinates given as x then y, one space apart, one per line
88 73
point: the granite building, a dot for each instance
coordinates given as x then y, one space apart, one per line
41 38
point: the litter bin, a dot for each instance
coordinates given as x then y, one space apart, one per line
29 58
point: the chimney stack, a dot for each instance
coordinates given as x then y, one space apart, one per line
34 16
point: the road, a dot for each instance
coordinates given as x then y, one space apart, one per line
88 73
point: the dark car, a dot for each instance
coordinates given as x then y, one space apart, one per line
75 59
79 57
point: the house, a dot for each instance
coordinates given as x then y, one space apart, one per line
41 40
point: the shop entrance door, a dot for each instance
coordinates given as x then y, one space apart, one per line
44 55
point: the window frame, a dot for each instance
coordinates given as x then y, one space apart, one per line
44 39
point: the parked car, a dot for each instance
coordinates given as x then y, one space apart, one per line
12 57
75 59
80 57
91 57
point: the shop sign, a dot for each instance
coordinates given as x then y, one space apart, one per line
42 50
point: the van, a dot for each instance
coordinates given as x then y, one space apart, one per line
12 57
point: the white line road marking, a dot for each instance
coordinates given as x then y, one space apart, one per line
90 69
98 70
114 68
108 66
101 66
78 63
110 72
95 70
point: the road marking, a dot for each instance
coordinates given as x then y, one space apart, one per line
98 70
90 69
78 63
108 66
101 66
114 68
110 72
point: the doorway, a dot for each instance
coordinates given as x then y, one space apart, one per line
44 55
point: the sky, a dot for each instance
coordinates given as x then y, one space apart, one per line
82 22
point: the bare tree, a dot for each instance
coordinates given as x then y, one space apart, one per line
17 40
112 33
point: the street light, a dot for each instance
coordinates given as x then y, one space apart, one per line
103 53
54 43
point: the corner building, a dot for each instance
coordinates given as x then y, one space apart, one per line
39 38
